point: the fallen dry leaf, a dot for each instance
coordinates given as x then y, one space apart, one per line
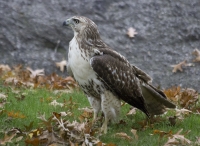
9 136
37 79
123 136
197 141
131 32
65 114
15 114
55 129
173 93
69 82
55 103
61 65
184 98
196 53
18 67
86 114
178 67
5 67
34 73
11 80
41 117
190 64
162 133
32 141
65 91
3 96
18 139
123 103
1 106
35 133
188 99
86 109
177 139
134 133
181 113
132 112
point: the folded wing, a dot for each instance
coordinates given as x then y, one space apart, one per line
129 83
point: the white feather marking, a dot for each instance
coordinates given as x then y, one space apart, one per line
125 75
80 67
123 84
114 72
97 52
91 60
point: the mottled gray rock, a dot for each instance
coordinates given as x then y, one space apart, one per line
31 33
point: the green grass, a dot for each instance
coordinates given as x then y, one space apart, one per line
37 101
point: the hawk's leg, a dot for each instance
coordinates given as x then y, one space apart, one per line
96 105
110 106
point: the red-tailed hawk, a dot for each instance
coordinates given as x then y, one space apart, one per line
106 76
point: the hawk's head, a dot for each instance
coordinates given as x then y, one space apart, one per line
85 30
80 24
83 27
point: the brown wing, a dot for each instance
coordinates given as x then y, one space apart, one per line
138 72
120 77
142 75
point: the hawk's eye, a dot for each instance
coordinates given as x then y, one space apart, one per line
76 21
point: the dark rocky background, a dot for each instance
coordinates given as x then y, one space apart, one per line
168 32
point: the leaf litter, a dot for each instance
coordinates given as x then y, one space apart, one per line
59 130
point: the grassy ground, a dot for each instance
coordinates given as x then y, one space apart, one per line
23 106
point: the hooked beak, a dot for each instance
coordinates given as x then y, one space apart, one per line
67 22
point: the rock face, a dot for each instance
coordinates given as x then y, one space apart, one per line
31 33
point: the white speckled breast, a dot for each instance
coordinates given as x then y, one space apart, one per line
79 63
